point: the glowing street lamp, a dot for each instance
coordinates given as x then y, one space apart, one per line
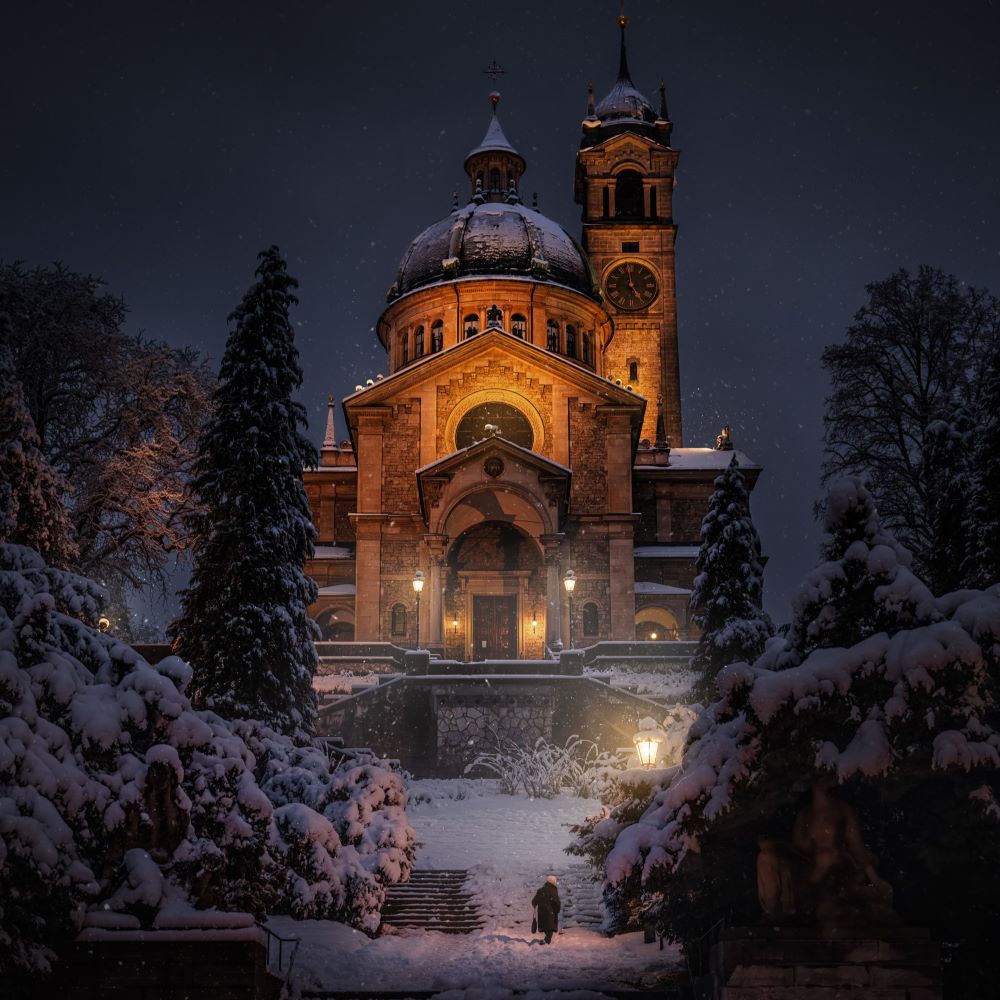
647 741
418 586
569 582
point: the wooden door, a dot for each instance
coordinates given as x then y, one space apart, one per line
494 628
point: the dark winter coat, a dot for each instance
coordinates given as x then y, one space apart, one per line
547 901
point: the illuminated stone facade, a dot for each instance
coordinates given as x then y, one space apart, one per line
529 422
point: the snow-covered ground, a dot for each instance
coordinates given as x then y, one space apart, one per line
667 686
509 844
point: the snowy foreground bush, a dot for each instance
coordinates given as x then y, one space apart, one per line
117 796
545 769
890 690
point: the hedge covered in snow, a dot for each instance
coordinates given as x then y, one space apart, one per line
117 796
893 691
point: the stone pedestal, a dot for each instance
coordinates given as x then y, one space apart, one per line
779 963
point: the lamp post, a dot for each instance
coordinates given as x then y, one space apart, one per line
569 582
418 586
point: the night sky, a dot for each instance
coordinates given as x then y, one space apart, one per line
824 145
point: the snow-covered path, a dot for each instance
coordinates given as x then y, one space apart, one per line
509 844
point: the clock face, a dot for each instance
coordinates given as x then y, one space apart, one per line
631 285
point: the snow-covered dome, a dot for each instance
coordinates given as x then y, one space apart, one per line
495 234
493 238
625 103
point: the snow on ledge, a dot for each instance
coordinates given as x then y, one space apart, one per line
92 935
646 587
667 552
338 588
332 552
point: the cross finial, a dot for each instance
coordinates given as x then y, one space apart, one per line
494 70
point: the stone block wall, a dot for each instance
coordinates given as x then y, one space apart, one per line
400 455
588 458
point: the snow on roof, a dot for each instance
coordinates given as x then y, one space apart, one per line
528 453
647 587
333 552
338 588
667 552
494 140
707 458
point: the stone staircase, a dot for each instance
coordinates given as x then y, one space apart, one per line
582 905
432 901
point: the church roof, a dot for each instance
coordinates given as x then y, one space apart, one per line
624 102
493 141
493 238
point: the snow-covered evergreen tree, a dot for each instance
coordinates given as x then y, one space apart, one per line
983 556
244 625
891 693
728 590
120 803
31 491
863 585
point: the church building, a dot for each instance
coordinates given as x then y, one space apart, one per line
527 434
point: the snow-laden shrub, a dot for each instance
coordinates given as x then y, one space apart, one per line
904 712
116 795
545 769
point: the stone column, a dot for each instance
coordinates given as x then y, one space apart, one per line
621 570
435 604
553 587
368 525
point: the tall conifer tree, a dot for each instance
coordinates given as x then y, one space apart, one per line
31 491
728 590
983 556
244 626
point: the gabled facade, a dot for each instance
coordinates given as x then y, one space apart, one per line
530 420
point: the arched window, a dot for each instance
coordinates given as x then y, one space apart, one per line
652 203
418 342
513 424
404 347
399 619
628 195
633 372
571 340
519 326
437 336
590 619
471 325
588 349
552 335
494 179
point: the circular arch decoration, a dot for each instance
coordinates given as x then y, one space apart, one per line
659 617
470 402
482 503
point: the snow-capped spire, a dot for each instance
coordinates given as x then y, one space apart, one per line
494 164
330 438
623 74
664 113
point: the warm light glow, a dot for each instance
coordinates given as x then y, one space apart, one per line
652 635
534 623
454 623
569 581
418 582
646 746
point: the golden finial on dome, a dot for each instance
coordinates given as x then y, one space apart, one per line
622 20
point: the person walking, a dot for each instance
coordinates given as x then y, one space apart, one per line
546 902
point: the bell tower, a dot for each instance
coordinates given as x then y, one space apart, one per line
625 181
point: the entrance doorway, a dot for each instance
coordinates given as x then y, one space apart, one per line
494 627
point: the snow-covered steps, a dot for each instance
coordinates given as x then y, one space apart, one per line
433 900
582 905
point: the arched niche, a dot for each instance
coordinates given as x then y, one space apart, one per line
656 620
511 504
474 399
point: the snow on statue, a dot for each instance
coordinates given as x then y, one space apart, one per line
117 796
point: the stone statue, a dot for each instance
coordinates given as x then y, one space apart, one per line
722 441
825 872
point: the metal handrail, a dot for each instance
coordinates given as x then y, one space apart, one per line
295 941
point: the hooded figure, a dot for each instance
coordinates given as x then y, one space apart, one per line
547 902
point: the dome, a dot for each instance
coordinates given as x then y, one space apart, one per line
625 103
493 238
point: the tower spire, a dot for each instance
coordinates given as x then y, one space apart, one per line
623 74
330 438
